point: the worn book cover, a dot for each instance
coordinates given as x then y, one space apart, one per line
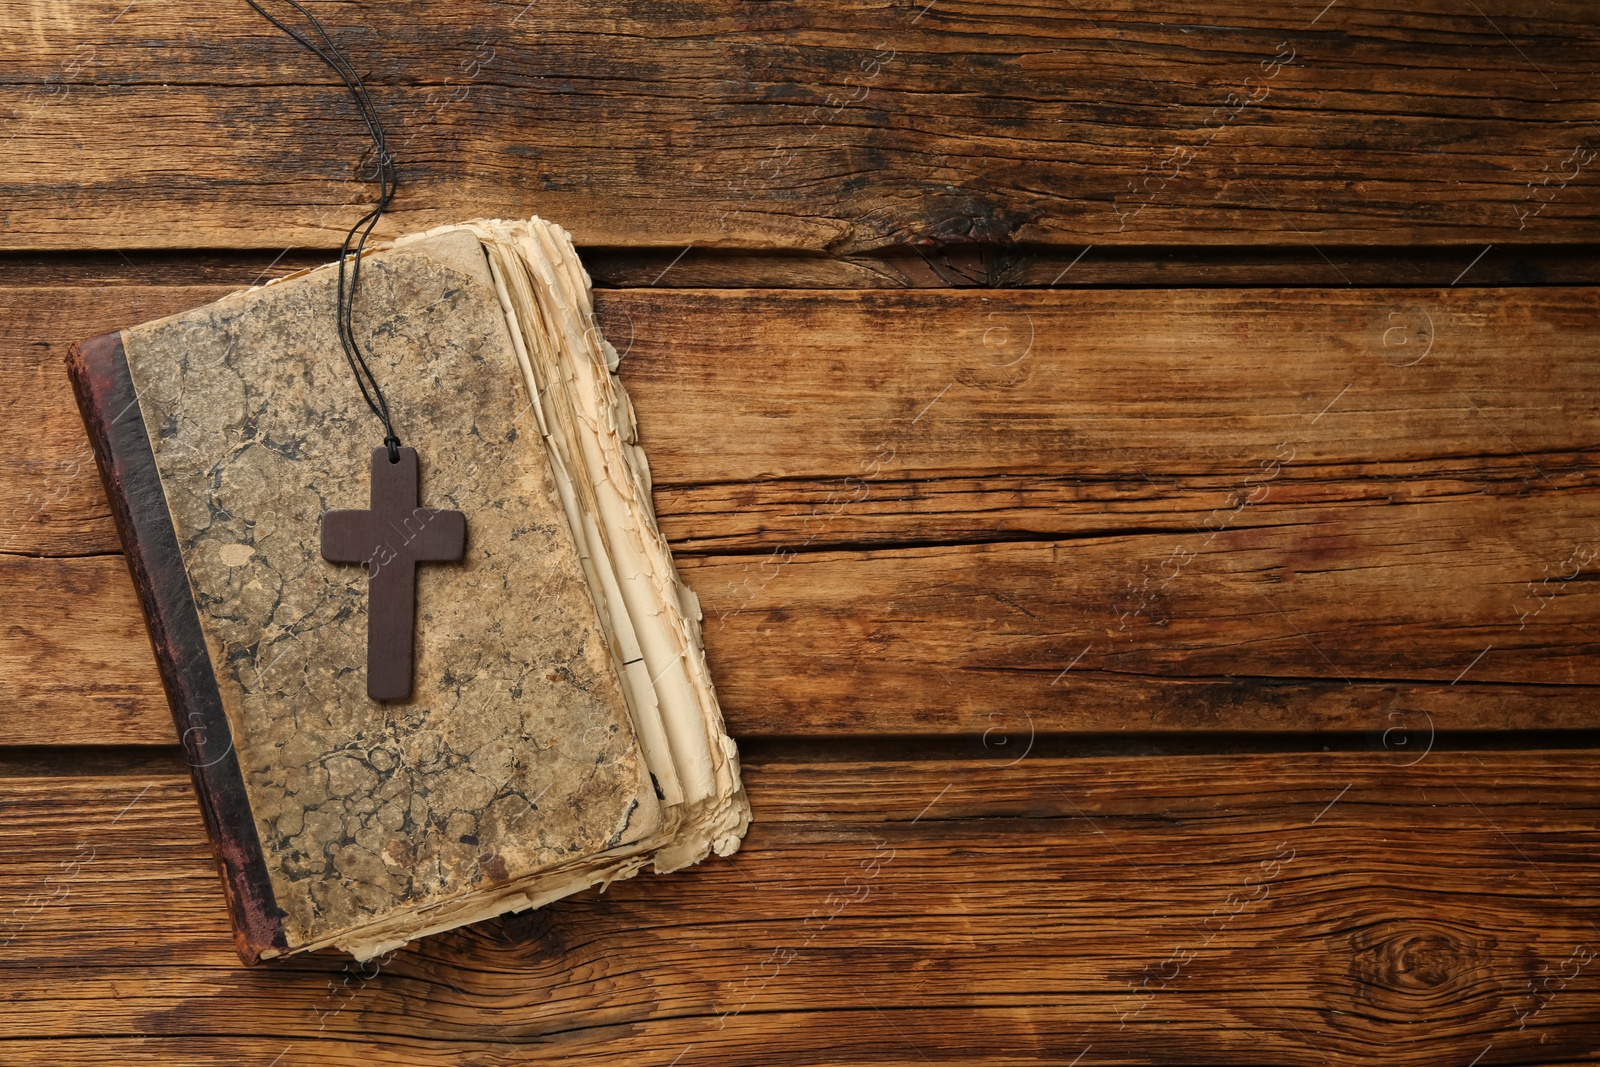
562 729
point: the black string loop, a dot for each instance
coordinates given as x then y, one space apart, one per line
388 182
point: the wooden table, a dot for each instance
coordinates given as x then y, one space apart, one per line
1139 467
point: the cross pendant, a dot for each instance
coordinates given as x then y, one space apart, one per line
391 538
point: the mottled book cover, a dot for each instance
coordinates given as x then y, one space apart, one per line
532 758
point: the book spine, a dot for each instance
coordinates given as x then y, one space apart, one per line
110 408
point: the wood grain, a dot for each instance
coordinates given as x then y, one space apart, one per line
51 501
842 128
77 665
987 521
784 385
912 513
784 418
1279 909
1345 624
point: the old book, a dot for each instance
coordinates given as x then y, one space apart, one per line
562 730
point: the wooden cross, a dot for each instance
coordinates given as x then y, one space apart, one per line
391 538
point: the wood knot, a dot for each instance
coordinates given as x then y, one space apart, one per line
1406 969
1410 961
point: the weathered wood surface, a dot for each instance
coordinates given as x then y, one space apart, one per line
838 128
911 512
921 524
1026 639
780 418
1291 909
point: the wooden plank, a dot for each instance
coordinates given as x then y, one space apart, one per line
1284 909
779 418
761 518
52 499
77 666
1237 511
842 128
749 386
1440 616
1289 627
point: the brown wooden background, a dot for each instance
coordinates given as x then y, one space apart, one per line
1137 461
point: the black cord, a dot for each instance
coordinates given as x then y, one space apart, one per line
388 183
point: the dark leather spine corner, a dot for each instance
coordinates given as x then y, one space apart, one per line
110 408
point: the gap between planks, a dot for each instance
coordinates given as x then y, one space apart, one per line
1395 745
